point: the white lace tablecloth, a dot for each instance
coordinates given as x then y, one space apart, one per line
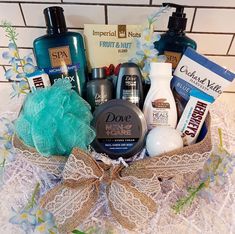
216 215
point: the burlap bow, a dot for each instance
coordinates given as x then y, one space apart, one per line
72 201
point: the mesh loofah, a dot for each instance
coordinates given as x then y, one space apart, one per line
55 120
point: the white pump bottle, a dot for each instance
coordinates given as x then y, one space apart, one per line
159 106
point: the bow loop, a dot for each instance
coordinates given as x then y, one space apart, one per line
81 168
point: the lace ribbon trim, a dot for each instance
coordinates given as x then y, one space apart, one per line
130 191
53 165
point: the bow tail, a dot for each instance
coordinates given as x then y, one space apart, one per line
70 206
130 207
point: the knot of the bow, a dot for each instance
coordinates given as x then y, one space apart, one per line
110 173
82 168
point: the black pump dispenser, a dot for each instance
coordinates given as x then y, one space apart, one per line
174 42
178 20
55 21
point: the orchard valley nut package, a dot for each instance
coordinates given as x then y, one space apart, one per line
110 44
195 71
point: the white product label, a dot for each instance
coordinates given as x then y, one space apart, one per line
100 99
110 44
160 117
200 77
192 119
40 81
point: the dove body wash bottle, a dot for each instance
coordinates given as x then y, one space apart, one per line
61 53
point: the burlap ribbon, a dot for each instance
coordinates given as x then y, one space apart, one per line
130 190
72 201
53 165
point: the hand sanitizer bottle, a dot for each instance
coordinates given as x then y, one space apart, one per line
159 106
61 53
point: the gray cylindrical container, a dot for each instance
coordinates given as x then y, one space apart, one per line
129 84
99 89
120 129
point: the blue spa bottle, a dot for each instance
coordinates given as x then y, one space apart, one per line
61 53
174 42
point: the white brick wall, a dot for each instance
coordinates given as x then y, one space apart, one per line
134 2
210 23
198 3
214 20
76 15
137 15
11 12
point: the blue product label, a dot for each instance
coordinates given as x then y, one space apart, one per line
118 145
69 72
183 87
202 96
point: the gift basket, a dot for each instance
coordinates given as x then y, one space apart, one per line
115 152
